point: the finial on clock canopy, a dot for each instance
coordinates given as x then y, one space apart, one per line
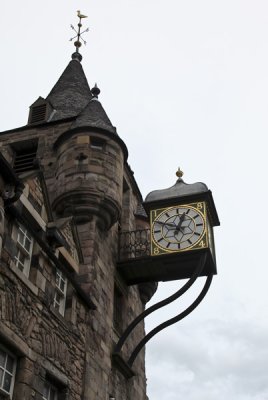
179 173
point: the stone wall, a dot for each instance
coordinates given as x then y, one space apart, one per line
73 351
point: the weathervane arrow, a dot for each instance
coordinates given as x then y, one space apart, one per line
79 34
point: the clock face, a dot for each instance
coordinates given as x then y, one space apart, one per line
178 228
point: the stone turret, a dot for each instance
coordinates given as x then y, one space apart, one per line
90 154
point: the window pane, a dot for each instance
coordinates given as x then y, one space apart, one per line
20 238
53 394
1 377
22 230
62 285
21 267
50 392
7 382
21 261
22 258
45 391
2 358
27 244
10 363
57 297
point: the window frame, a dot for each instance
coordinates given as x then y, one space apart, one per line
22 251
6 371
50 386
25 154
118 307
59 305
97 143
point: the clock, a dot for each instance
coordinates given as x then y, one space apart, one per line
179 228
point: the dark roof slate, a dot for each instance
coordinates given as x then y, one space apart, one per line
71 93
180 189
94 116
140 212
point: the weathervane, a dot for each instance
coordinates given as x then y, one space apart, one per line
79 34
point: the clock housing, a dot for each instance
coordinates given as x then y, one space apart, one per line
182 218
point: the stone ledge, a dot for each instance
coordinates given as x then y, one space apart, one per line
12 339
54 372
23 278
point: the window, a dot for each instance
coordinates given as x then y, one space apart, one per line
24 249
38 113
25 156
97 143
118 310
60 292
50 392
7 371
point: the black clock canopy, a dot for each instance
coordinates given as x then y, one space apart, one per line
182 193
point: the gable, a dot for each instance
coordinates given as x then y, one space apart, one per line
67 228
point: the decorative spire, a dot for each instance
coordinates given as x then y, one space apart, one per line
95 91
179 173
78 36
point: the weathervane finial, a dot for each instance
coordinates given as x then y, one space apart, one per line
79 34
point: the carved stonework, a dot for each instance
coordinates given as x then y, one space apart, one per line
14 308
55 348
68 235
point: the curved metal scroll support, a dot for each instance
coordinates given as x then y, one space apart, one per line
162 303
171 321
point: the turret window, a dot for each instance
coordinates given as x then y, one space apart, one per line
97 143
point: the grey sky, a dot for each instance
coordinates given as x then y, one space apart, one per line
185 83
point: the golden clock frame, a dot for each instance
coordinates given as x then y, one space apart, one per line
203 241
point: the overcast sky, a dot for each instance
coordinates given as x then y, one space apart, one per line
185 83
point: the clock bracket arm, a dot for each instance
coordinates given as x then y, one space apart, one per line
197 272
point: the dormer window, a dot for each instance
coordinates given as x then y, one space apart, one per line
40 111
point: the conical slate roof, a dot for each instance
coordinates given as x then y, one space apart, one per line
93 115
71 93
71 97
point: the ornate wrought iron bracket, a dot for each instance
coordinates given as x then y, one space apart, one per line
197 272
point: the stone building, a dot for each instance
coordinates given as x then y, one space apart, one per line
66 194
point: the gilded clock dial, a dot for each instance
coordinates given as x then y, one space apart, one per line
178 228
